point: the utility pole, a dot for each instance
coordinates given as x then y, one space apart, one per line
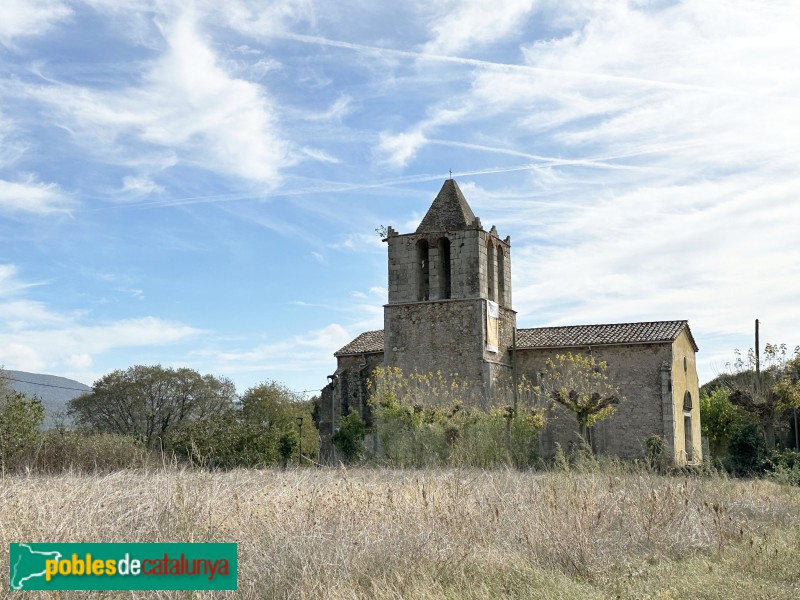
300 438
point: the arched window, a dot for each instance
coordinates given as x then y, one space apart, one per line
491 272
444 268
423 277
501 276
687 401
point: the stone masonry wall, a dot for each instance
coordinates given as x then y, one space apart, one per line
403 277
505 245
449 336
468 266
444 335
497 365
352 387
348 394
636 369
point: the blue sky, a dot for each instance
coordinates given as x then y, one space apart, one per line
198 183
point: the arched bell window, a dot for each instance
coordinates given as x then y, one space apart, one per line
423 271
444 267
501 276
491 271
687 401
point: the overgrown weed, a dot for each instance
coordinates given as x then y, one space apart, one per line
606 532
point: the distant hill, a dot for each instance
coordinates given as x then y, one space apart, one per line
53 391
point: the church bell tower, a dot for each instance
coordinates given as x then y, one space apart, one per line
449 306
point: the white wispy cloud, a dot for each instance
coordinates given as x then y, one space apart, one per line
137 186
19 315
10 282
457 26
256 18
40 347
339 109
35 336
718 254
187 104
278 359
623 67
319 155
399 148
24 18
677 193
31 196
358 242
292 358
50 345
11 146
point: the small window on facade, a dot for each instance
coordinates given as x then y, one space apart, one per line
685 365
423 271
687 401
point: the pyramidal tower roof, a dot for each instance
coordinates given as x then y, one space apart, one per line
448 212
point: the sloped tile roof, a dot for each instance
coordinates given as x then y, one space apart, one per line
597 335
652 332
368 342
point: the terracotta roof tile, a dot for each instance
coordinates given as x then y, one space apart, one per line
651 332
369 342
596 335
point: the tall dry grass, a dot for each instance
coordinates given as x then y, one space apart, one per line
367 533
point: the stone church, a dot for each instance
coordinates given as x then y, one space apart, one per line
450 310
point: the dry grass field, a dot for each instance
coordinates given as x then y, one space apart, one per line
370 533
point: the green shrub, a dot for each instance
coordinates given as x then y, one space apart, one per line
225 442
719 420
497 437
560 460
349 440
20 419
416 436
785 466
430 420
287 444
60 451
747 451
657 459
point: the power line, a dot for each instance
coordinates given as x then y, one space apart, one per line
84 390
61 387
